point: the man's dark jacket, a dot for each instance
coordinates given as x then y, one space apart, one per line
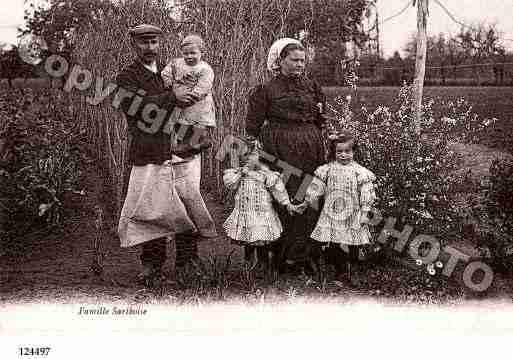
149 143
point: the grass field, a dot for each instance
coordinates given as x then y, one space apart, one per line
487 102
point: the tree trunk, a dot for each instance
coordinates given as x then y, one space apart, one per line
420 64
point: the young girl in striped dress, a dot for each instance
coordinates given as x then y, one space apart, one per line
348 192
254 222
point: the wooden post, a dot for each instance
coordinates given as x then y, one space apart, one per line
420 64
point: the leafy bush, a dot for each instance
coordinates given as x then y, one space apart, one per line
495 216
42 154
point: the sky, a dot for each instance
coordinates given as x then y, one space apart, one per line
11 16
394 32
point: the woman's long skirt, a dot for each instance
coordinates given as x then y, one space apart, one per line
299 149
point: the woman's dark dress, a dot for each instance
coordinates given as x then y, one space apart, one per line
285 116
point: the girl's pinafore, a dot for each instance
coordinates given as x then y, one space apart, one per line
347 190
253 219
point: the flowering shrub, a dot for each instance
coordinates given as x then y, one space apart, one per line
432 269
458 122
41 156
414 172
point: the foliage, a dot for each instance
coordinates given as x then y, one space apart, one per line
58 22
471 46
41 159
397 70
201 275
324 23
459 123
327 22
480 41
328 25
495 215
472 43
442 50
12 66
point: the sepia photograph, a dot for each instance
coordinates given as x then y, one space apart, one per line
215 168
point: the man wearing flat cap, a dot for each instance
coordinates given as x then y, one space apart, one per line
150 144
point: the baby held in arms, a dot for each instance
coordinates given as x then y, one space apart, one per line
191 75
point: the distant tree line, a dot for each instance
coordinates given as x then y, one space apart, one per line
474 56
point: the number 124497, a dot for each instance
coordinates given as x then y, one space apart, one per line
37 351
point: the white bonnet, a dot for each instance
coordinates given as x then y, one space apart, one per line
273 58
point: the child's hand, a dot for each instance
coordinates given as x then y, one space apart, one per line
291 209
296 209
301 208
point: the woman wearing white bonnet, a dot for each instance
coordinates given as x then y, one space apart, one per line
285 115
273 58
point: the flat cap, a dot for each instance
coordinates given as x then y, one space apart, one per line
144 30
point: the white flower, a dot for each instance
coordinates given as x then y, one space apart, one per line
418 262
426 214
439 264
432 271
43 208
448 120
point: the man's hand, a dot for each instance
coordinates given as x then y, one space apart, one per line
186 99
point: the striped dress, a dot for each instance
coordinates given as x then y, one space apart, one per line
347 190
253 219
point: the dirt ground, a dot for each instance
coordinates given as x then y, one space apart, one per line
60 265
